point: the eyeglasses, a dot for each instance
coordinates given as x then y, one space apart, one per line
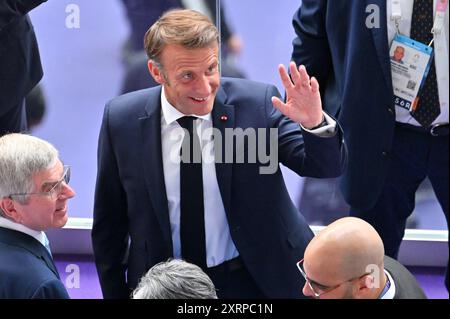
54 188
319 289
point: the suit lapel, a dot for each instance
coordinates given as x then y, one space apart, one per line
45 256
16 238
380 38
223 117
153 166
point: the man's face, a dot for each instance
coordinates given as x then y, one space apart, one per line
326 282
42 212
190 77
399 52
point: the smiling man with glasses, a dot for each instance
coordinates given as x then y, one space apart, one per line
34 192
346 261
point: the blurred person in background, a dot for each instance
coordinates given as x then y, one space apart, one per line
20 64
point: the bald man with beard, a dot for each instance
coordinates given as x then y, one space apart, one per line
346 261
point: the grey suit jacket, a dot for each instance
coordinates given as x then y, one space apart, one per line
406 286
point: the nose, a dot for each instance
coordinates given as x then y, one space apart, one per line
67 192
204 86
307 290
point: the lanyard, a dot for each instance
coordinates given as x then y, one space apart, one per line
396 13
441 7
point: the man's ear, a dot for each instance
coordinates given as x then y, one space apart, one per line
9 210
156 72
364 287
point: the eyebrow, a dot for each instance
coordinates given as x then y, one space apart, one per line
53 183
49 183
317 284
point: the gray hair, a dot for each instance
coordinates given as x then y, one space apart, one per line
22 156
175 279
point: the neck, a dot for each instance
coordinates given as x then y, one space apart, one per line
377 291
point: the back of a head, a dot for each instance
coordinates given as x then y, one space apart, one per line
347 248
22 156
175 279
187 28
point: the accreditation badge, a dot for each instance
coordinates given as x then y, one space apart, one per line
410 63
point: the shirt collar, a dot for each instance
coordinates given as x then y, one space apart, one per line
170 114
390 293
38 235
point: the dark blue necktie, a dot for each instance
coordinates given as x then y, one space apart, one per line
192 222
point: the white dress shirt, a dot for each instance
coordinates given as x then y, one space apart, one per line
391 291
219 244
38 235
441 58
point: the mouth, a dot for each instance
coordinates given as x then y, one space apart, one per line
62 209
199 100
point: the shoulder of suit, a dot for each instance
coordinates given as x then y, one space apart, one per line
23 264
405 282
51 289
132 104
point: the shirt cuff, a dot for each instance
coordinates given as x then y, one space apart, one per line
324 131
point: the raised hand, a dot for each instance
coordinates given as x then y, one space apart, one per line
303 104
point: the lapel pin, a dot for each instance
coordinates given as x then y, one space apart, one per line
223 118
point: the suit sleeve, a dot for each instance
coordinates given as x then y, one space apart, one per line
303 152
110 228
310 47
13 9
51 289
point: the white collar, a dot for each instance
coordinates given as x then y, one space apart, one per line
170 114
391 291
38 235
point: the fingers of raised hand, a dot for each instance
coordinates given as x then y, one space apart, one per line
281 106
304 77
314 85
287 83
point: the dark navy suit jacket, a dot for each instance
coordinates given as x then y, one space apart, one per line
351 63
27 269
20 64
131 204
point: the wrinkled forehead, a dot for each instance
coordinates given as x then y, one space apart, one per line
51 174
178 54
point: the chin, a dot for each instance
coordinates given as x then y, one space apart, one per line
60 221
203 111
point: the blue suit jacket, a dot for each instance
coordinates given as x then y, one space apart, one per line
130 199
27 269
351 62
